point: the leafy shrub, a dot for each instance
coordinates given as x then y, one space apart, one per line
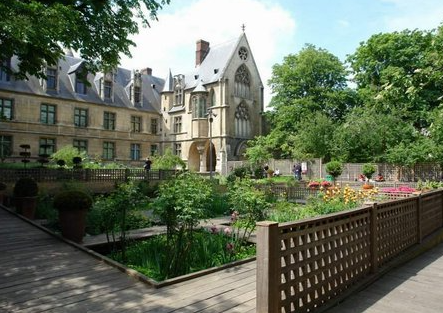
368 170
334 168
239 172
69 200
67 154
25 187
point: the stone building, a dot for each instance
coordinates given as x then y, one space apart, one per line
127 115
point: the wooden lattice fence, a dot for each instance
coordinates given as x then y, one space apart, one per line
302 266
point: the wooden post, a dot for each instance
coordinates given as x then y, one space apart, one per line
419 214
374 236
268 267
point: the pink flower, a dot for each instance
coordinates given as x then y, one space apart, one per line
227 231
214 229
230 246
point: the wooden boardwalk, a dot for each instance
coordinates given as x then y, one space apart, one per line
40 273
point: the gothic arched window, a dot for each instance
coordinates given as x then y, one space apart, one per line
242 121
242 82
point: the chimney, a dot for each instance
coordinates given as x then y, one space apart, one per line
201 51
146 71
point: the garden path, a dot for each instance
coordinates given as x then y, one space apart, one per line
39 272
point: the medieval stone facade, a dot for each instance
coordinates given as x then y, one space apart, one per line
127 115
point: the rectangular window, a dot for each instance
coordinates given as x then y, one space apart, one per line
47 113
135 151
5 146
80 85
6 109
46 146
178 124
108 150
109 120
178 149
81 145
154 126
154 150
51 78
80 117
4 76
107 89
137 94
136 124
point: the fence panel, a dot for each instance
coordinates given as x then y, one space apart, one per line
431 212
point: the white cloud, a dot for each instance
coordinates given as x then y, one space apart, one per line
170 42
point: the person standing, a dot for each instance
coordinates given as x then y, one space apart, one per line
148 164
297 171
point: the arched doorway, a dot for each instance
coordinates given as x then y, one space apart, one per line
211 157
240 150
194 158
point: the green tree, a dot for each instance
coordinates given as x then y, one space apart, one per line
36 31
167 161
397 73
67 154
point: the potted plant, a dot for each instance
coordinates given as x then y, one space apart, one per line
2 188
73 206
334 168
368 170
25 196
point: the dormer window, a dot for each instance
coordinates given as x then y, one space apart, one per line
107 89
179 85
78 77
51 78
4 75
135 89
80 86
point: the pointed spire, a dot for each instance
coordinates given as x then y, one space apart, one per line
169 83
243 27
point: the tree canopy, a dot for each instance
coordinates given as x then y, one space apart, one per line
393 113
37 31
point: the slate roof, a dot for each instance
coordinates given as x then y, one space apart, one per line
151 86
213 66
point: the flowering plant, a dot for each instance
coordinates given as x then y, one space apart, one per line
313 184
325 184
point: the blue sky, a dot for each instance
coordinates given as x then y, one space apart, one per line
275 28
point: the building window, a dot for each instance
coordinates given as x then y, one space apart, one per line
107 89
199 109
46 146
51 78
108 150
242 82
212 99
6 146
80 145
135 151
243 53
178 149
242 121
4 76
179 85
154 150
137 94
80 117
154 126
109 121
177 124
6 109
47 114
80 84
136 124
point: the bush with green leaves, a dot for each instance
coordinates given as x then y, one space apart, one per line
180 205
248 205
67 154
110 213
368 169
168 161
334 168
241 172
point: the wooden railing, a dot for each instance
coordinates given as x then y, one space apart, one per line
302 266
289 193
90 175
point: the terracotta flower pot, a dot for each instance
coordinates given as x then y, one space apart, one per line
73 224
26 206
368 186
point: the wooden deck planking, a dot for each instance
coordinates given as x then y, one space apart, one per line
39 273
417 286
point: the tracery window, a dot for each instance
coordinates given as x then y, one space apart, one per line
242 82
242 121
179 85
